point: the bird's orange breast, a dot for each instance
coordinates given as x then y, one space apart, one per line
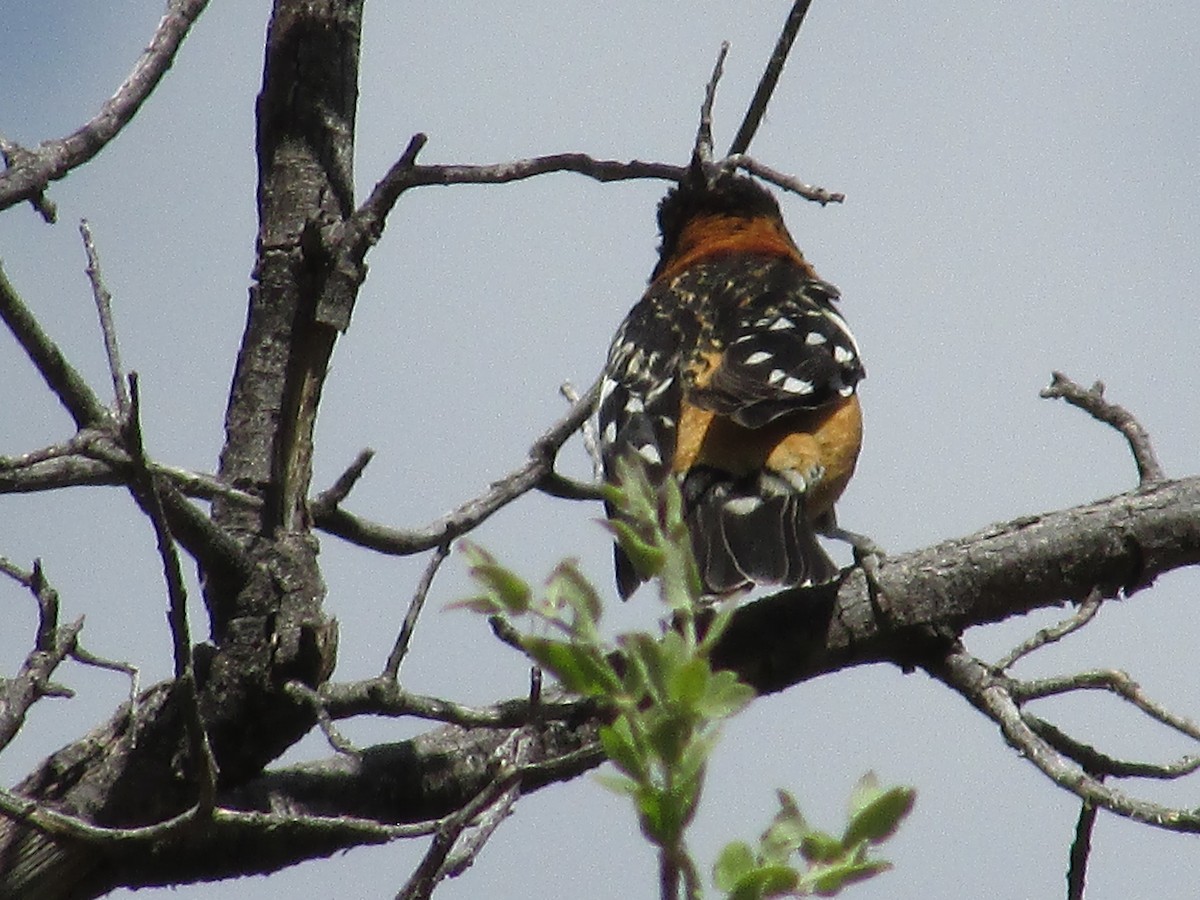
827 440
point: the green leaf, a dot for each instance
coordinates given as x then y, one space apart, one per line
618 783
482 603
821 847
647 557
766 881
623 750
567 586
501 584
735 860
670 731
695 755
688 683
649 660
580 668
724 696
877 814
785 835
828 882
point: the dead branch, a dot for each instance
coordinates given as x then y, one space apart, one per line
391 668
60 376
29 172
996 698
103 299
536 470
1086 612
1091 400
770 77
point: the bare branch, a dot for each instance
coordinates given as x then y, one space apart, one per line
779 179
146 493
67 384
382 696
537 470
103 299
499 794
329 498
587 430
770 77
1111 680
992 695
1086 612
52 644
1091 400
30 171
703 151
336 739
1081 848
1099 763
392 668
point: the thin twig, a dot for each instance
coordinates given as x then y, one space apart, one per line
146 493
587 430
536 471
338 741
381 696
1099 763
148 499
56 824
52 644
1111 680
66 383
329 498
770 77
30 171
103 299
1091 400
392 668
703 151
1084 614
499 794
1081 848
993 696
779 179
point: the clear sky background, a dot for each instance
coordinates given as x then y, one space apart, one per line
1023 195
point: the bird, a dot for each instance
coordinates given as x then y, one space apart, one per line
736 375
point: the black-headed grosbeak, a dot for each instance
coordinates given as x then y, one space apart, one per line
736 374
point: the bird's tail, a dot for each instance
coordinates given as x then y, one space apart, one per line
744 536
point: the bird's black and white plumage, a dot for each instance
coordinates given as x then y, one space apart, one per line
736 374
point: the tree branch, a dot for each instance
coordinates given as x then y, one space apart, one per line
66 383
29 172
770 77
1091 400
537 470
994 697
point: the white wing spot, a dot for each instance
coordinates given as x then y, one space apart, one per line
776 376
815 339
841 324
655 392
610 433
634 405
744 338
606 389
760 356
781 323
842 354
650 454
743 506
797 385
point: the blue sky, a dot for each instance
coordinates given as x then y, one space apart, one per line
1023 194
